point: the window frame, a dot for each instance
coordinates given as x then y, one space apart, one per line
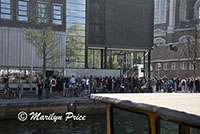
157 126
22 10
174 66
191 66
61 15
158 68
165 66
11 13
159 41
46 8
183 65
112 122
158 12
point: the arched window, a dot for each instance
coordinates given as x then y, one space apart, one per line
160 7
197 10
186 38
159 41
183 8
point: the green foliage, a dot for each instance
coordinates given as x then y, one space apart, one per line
75 45
45 41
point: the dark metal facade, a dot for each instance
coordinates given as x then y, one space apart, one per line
120 24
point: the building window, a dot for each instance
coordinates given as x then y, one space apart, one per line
186 38
22 10
166 66
183 66
42 13
159 41
191 66
182 10
197 10
75 20
160 11
57 14
5 9
174 65
158 66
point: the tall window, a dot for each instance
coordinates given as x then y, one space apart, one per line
75 42
197 10
42 13
174 66
191 66
183 65
166 66
5 9
160 11
22 10
159 41
182 10
57 14
158 66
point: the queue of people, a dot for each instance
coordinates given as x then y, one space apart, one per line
110 84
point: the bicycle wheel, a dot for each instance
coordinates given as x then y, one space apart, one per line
78 92
85 93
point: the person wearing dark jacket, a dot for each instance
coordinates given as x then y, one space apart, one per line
47 88
40 88
197 85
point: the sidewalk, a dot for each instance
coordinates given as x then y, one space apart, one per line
29 101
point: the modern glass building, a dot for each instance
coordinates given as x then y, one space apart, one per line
94 39
75 32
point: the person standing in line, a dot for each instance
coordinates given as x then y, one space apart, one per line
197 85
40 88
47 88
183 85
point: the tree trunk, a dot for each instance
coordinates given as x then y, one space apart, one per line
44 66
194 75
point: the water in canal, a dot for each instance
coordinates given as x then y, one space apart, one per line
92 125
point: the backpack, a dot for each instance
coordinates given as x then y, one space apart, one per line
183 83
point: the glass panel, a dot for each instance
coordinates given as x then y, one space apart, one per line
42 13
128 122
22 13
77 1
194 130
7 11
5 16
167 127
22 3
57 14
22 18
75 13
75 7
57 22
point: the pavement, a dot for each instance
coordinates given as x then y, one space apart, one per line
55 97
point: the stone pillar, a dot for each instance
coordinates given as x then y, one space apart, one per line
171 17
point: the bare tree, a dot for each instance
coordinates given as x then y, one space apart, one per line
191 49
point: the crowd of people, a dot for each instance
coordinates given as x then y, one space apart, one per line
131 84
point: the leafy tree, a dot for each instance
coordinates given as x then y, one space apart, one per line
75 40
45 41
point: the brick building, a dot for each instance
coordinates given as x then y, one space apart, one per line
15 52
175 21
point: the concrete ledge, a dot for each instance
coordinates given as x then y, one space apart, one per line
10 108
